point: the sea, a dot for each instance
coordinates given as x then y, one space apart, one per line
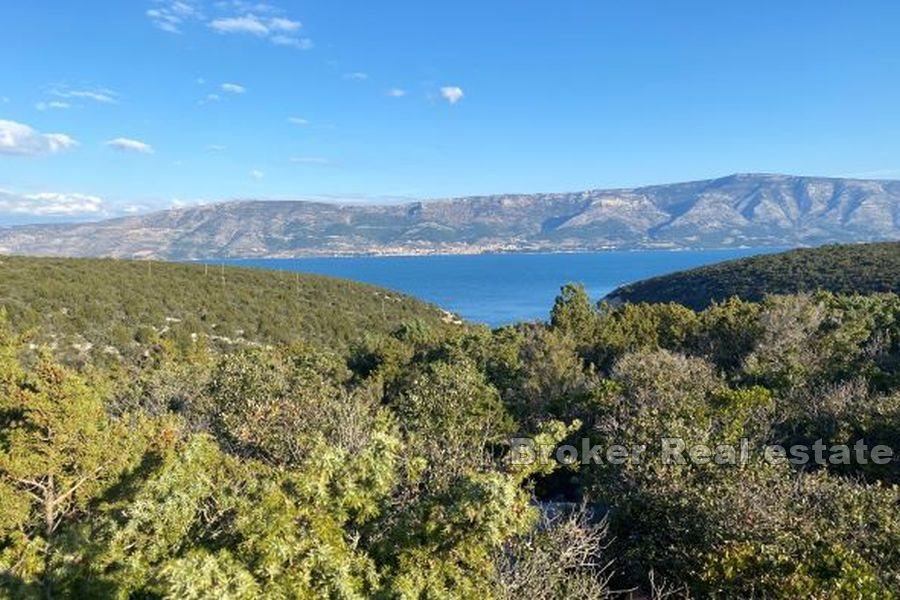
499 289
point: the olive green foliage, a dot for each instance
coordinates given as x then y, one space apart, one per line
270 472
376 464
841 269
124 307
453 416
789 370
59 451
573 313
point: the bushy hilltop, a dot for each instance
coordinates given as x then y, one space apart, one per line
858 268
386 471
113 306
740 210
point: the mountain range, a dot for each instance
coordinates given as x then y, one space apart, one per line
740 210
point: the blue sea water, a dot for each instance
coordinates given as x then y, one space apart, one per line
498 289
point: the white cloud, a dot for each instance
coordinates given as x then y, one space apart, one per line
281 31
103 96
297 121
396 93
452 94
188 202
133 209
53 104
247 24
280 24
18 139
309 160
47 204
239 17
212 98
130 145
257 174
357 76
66 97
245 6
233 88
215 147
286 40
170 16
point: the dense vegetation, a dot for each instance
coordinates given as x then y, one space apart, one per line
111 305
387 470
842 269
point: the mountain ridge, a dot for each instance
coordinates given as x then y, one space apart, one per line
743 209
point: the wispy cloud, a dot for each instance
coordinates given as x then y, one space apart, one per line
285 25
133 209
18 139
101 95
66 97
48 204
233 88
257 174
297 121
188 202
51 105
356 76
452 94
228 17
215 147
130 145
281 31
171 15
246 24
396 92
294 42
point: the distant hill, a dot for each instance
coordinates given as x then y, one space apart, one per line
858 268
740 210
102 302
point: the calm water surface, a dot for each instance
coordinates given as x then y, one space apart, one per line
503 288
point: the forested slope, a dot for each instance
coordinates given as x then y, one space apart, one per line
426 461
859 268
115 303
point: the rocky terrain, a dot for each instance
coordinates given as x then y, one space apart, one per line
739 210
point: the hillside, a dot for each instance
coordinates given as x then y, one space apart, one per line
740 210
467 463
112 302
861 268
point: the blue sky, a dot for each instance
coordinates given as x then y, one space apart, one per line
108 107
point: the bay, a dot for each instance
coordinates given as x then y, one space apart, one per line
499 289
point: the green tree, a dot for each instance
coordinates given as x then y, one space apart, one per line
59 452
573 313
451 417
